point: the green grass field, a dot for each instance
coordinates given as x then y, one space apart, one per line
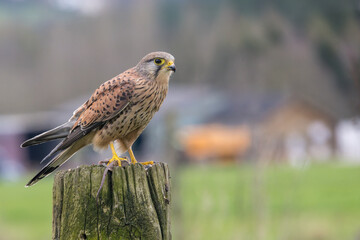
319 202
25 213
224 202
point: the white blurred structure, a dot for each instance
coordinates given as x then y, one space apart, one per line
295 145
348 140
320 136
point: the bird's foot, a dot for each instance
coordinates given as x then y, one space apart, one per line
120 161
133 159
147 163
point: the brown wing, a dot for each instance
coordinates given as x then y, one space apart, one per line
107 101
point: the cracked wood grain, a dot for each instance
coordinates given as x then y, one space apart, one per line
134 203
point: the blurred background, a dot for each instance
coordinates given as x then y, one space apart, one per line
260 127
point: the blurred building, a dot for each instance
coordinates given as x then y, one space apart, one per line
234 127
301 130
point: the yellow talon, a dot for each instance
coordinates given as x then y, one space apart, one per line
133 159
115 157
147 163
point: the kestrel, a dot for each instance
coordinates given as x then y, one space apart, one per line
117 112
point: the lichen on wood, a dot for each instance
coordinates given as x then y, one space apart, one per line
134 203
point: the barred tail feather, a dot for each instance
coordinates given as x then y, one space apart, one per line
56 162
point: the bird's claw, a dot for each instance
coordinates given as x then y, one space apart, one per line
147 165
123 162
101 162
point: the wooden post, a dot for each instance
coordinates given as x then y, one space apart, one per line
134 203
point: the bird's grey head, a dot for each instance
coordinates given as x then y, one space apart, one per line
157 65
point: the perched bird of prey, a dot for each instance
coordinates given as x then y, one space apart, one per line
117 112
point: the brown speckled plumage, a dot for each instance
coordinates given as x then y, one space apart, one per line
119 110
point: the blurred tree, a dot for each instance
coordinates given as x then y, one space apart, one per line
248 44
330 58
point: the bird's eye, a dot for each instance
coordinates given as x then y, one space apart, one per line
159 61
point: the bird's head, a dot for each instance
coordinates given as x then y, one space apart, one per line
157 66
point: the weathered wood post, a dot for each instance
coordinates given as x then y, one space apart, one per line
134 203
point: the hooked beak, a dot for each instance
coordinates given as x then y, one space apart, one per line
171 66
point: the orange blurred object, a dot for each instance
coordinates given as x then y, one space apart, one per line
215 141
